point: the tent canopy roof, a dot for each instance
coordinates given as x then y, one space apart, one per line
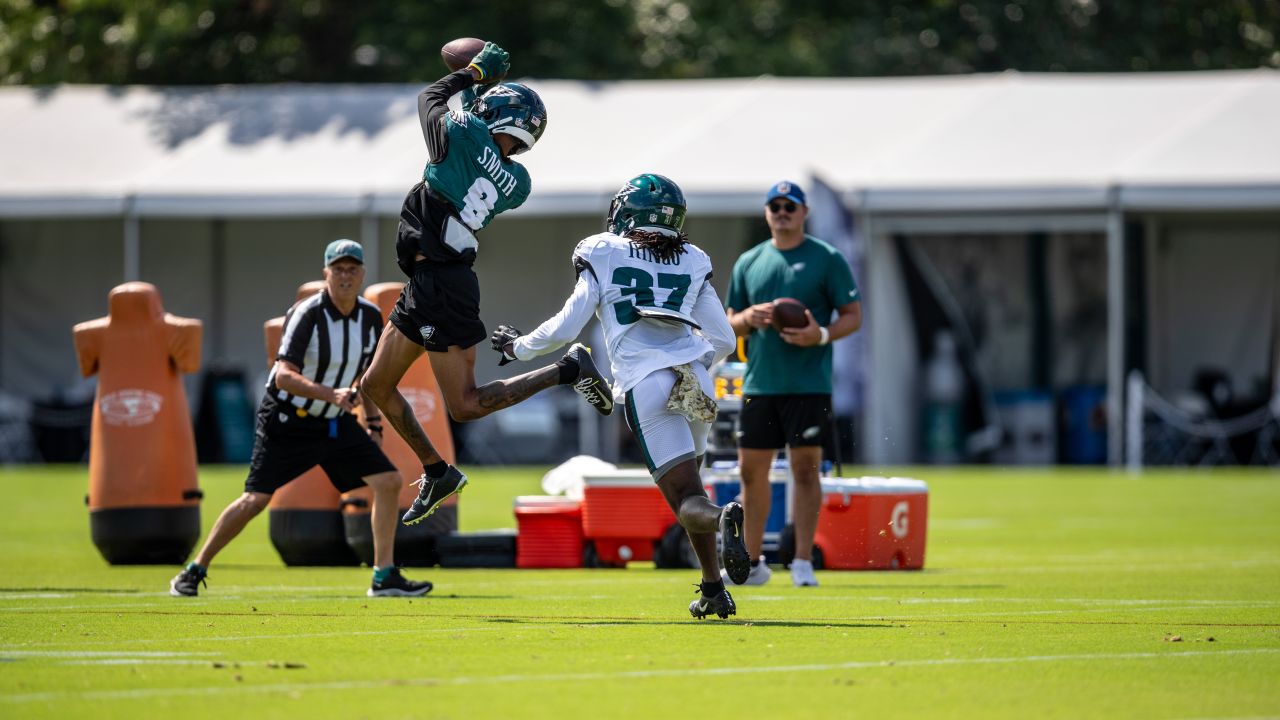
1002 142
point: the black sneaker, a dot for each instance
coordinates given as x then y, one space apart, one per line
736 560
397 585
432 492
187 583
721 604
590 383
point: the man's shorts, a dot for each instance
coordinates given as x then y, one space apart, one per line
772 422
666 438
287 445
440 306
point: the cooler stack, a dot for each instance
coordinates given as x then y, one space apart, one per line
550 532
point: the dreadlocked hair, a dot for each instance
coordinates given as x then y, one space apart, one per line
662 245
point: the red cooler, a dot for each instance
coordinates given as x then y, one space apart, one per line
873 523
550 532
623 515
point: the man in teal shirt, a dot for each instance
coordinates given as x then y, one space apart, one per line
787 386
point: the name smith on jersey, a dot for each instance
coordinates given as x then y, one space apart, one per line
492 164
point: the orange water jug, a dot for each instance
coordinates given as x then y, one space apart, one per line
305 516
415 544
144 500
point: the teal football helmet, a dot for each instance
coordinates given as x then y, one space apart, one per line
512 109
647 202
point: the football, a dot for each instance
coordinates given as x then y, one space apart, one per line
789 313
457 54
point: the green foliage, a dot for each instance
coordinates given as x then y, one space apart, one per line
258 41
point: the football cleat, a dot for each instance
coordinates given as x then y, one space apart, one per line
187 583
759 575
432 492
590 383
721 604
735 558
397 585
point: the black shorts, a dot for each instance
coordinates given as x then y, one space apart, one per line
771 422
440 306
286 446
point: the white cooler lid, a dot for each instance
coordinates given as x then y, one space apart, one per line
874 485
619 478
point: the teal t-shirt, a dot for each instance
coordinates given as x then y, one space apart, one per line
472 176
817 275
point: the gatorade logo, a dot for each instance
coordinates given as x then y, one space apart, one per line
422 402
898 519
130 407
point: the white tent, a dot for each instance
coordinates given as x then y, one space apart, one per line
1007 152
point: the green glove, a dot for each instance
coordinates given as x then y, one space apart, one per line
492 62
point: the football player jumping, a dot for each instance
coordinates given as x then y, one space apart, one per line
470 178
664 327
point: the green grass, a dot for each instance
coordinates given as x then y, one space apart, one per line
1045 594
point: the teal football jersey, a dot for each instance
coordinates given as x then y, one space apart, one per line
472 176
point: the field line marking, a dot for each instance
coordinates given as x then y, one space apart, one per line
237 638
146 693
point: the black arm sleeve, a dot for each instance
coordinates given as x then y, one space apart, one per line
433 103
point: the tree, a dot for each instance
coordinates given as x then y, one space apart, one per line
179 42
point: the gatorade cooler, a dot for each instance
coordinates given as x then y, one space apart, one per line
144 503
623 516
415 544
305 516
549 532
873 523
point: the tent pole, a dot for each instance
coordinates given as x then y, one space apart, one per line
132 242
369 239
1115 330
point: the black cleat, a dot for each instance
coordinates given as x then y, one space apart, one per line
397 585
432 492
721 604
735 558
590 383
187 583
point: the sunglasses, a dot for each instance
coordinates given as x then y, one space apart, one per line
777 207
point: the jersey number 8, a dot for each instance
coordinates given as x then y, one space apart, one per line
481 197
639 285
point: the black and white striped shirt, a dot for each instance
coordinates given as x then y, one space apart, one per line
329 348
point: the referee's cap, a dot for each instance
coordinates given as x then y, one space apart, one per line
339 249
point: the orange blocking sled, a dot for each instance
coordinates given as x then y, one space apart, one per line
415 544
873 523
305 516
144 501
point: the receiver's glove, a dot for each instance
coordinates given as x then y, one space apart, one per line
501 340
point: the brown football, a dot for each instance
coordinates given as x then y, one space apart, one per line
457 54
789 313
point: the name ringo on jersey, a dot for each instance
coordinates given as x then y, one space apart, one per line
646 255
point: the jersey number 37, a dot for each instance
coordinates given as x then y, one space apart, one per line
638 284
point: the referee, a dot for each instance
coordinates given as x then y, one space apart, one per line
305 420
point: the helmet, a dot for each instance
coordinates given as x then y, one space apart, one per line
512 109
649 202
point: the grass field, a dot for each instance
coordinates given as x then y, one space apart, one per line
1045 594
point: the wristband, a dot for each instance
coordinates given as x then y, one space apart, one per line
826 336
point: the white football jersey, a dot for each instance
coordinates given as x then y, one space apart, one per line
649 309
